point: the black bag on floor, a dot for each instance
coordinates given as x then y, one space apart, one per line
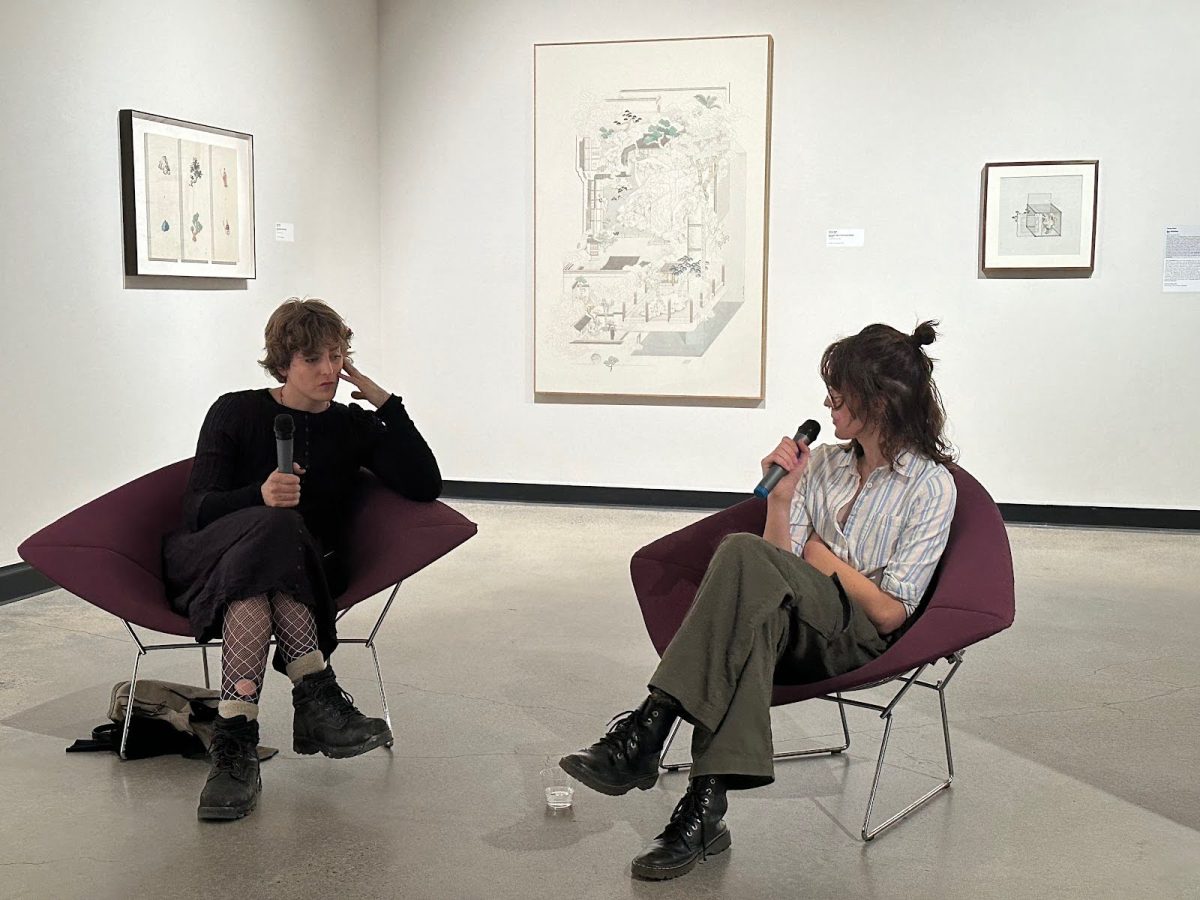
147 737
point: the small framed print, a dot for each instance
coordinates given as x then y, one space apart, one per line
1039 218
187 198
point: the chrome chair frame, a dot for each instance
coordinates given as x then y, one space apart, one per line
143 649
885 712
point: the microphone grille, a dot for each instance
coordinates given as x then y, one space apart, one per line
810 429
284 426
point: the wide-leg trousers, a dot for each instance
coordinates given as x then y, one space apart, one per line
762 616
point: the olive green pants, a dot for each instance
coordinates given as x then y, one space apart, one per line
762 616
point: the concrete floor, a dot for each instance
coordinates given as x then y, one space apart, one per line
1075 745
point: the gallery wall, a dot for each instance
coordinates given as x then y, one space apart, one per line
1076 391
103 380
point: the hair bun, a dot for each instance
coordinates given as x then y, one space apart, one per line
924 334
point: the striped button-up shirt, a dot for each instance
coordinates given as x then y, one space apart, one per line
897 529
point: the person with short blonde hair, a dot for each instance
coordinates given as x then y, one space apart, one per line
261 553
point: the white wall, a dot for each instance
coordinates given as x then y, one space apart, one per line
101 382
1059 391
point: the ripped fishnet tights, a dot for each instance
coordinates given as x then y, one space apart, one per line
247 638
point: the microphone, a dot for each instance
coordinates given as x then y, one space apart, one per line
807 433
284 428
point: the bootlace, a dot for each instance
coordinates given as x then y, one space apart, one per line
339 699
620 728
228 753
688 818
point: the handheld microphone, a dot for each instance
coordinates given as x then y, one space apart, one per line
284 428
807 433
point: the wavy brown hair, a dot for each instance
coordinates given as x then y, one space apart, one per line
308 326
886 378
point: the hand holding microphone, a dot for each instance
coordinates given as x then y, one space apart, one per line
282 487
783 466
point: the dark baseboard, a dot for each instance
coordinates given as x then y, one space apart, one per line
1017 513
1101 516
589 495
21 580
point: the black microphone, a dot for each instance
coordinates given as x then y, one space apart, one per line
808 433
284 428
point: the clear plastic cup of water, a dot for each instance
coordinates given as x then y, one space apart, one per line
557 785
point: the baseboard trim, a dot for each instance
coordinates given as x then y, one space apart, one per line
1101 516
21 580
1016 513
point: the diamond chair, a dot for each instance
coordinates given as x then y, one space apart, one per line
109 553
970 598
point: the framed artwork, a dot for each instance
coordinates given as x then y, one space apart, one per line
651 180
187 198
1039 218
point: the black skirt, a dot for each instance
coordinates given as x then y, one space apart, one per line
259 550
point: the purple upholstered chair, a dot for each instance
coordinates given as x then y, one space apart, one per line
109 553
970 598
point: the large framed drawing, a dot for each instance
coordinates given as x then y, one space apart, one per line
1039 218
187 198
651 179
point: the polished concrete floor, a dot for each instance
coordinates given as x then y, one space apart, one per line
1076 738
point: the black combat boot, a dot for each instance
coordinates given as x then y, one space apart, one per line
327 721
626 757
233 782
695 832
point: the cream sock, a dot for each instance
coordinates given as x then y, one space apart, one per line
307 664
227 709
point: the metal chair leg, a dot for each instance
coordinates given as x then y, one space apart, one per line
667 746
204 657
137 660
868 833
387 715
789 754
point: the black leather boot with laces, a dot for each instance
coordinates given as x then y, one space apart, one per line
326 720
626 757
233 782
696 831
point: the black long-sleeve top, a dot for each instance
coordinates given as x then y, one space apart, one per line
236 453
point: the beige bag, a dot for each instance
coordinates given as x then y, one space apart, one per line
189 709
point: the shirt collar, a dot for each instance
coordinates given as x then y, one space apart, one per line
906 461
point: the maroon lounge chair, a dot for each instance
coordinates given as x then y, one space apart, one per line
109 553
970 598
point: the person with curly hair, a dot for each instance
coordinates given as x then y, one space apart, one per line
853 534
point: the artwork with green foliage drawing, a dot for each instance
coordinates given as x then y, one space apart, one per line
650 207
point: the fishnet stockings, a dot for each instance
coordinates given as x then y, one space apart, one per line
294 627
246 636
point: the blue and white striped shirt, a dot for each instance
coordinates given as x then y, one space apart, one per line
897 529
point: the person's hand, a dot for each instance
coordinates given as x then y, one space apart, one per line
814 547
793 457
281 489
367 389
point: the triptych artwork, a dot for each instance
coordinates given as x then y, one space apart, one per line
188 198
